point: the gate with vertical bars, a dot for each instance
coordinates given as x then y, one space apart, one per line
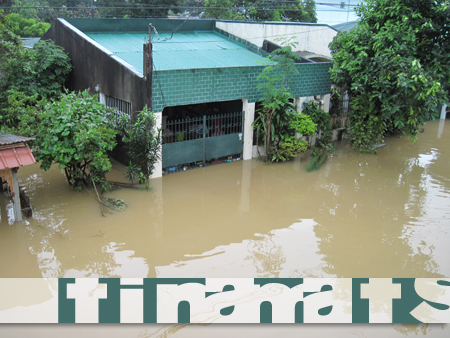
202 138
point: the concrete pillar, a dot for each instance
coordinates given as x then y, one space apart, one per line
444 112
326 102
16 197
101 98
298 101
249 110
158 165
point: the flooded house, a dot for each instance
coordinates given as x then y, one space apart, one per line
199 77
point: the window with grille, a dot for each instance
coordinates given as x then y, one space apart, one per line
118 106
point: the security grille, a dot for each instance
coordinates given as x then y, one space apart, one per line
118 106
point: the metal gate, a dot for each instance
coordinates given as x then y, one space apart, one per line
202 138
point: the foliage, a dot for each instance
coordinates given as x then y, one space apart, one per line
21 114
42 70
72 133
323 121
324 144
303 124
335 101
48 10
223 9
396 64
27 78
141 8
277 118
142 140
10 44
253 10
257 10
132 173
26 27
289 148
115 203
319 158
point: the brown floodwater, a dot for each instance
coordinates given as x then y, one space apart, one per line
360 215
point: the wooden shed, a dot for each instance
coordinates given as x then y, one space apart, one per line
14 152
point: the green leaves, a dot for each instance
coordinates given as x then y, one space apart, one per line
260 10
143 143
72 133
396 65
277 119
28 77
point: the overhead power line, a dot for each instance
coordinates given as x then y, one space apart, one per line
157 7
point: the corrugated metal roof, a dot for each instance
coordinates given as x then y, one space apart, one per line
16 157
30 42
185 50
11 139
346 26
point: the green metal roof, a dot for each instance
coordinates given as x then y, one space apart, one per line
184 50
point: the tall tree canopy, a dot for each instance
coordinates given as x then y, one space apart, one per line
261 10
254 10
396 65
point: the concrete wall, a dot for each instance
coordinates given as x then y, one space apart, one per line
180 87
96 69
310 37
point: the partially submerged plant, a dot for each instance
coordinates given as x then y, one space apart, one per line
132 172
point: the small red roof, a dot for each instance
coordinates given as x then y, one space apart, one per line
16 157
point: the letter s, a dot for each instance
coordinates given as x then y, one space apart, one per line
436 290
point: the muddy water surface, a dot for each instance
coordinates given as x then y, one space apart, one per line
358 216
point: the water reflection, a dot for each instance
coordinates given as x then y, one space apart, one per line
359 216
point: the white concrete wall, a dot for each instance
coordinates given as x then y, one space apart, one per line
158 165
326 102
249 109
444 112
311 38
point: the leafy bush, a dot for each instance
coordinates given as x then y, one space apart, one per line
21 114
324 143
143 142
303 124
287 149
72 133
322 119
42 70
26 27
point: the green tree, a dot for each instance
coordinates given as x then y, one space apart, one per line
260 10
9 43
138 8
223 9
277 119
72 133
396 65
26 27
27 78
